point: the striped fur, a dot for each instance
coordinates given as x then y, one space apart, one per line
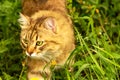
46 35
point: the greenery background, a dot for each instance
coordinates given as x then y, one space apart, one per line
97 31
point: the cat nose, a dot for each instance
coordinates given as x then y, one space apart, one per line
30 51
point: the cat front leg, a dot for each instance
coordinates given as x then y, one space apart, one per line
40 75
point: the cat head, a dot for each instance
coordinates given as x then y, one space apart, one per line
49 22
39 37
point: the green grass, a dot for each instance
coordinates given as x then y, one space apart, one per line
97 32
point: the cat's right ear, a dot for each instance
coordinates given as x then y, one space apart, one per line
24 21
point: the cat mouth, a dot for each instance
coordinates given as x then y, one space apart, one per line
40 56
34 55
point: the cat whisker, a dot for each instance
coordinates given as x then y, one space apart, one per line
47 57
44 58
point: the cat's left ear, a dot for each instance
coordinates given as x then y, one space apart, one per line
50 24
24 21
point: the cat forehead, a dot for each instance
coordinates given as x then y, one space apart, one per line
33 23
40 20
37 22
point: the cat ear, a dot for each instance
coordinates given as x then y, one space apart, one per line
50 24
24 21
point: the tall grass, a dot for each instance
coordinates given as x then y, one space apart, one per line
10 50
97 33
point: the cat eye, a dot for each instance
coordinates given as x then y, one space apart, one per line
39 43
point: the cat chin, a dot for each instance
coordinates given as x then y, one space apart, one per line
38 56
34 55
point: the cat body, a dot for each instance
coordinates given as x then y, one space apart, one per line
46 36
29 7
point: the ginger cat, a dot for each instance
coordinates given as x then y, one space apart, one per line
46 35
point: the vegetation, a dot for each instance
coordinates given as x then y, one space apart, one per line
97 31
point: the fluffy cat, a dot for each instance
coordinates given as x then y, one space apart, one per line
46 35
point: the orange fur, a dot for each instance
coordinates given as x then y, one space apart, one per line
46 35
